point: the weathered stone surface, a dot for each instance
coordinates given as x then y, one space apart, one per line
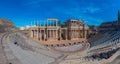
6 26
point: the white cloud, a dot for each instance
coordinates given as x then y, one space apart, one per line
92 9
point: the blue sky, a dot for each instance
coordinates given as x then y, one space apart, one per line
93 12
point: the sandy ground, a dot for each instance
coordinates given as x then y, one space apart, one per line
116 61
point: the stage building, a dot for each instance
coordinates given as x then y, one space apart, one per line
50 30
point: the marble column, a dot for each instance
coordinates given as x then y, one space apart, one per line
56 34
37 33
47 34
70 34
74 33
31 33
65 35
78 34
53 34
44 35
40 35
60 33
83 31
50 33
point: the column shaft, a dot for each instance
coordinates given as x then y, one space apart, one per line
56 34
50 33
53 34
60 34
40 35
66 34
44 34
31 33
37 33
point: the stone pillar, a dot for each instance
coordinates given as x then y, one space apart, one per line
47 35
85 34
83 31
70 34
66 34
31 33
78 33
60 33
73 33
37 33
40 35
34 33
44 34
56 34
53 33
40 32
50 33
